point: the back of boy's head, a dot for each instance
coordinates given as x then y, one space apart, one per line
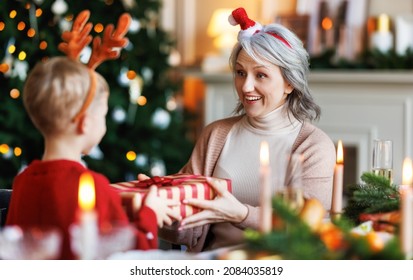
55 91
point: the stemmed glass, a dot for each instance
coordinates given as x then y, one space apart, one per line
382 163
290 182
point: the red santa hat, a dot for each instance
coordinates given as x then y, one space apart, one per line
248 26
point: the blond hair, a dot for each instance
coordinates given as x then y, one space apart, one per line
55 91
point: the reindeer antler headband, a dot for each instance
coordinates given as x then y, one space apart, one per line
103 49
248 26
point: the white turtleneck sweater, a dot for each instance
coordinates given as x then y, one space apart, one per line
240 161
240 156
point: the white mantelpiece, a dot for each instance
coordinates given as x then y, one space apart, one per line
357 107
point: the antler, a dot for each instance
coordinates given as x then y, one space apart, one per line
78 38
104 49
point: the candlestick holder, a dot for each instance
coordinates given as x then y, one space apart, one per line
30 244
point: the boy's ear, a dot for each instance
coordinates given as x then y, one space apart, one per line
82 124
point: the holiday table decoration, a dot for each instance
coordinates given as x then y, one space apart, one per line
304 238
176 186
367 229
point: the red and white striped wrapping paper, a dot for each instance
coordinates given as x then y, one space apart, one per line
177 186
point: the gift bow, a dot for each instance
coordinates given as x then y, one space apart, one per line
163 181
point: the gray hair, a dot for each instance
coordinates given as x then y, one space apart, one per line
293 60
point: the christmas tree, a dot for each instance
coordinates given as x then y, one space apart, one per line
145 122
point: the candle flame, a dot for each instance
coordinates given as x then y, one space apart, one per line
327 23
407 172
383 24
340 156
86 192
264 153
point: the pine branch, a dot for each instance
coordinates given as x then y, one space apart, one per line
375 194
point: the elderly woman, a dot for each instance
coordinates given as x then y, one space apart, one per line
270 67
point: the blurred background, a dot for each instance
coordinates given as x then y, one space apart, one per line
173 78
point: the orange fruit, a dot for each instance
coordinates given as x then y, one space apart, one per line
332 237
375 242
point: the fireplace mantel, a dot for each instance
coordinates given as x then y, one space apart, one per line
357 107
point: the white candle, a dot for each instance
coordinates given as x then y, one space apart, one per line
337 200
382 39
265 190
406 206
404 33
88 222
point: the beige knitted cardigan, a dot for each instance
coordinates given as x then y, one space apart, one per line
318 168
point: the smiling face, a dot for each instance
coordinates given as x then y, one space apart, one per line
261 88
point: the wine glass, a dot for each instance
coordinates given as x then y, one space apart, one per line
382 164
290 182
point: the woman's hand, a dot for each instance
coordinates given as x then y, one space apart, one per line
142 177
162 207
224 208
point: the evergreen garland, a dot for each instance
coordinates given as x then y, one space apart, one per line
374 195
296 241
369 59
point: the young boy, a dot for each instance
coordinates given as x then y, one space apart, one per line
68 103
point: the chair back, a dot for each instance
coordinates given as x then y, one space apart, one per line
5 196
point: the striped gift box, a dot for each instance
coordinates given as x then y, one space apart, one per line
176 186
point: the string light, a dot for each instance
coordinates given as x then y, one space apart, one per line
2 25
43 45
4 67
39 12
131 74
171 104
98 28
13 14
17 151
22 55
131 155
141 100
31 32
14 93
21 26
4 148
12 49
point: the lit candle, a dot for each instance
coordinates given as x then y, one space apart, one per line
382 39
89 233
406 205
266 197
383 24
337 200
327 25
